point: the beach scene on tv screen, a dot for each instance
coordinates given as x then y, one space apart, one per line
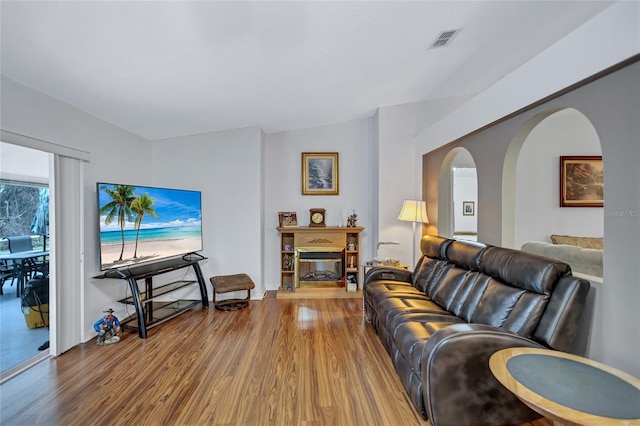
141 224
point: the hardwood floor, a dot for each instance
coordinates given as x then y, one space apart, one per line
278 362
319 293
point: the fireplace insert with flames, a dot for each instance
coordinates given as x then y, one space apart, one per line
320 267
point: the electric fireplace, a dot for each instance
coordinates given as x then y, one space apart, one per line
319 267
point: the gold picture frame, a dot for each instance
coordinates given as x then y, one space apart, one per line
468 208
320 173
581 181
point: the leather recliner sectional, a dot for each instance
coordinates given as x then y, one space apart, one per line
463 302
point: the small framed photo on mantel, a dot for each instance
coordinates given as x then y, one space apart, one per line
287 219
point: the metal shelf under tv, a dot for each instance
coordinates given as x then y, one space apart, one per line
150 312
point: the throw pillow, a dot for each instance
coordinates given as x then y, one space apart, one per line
584 242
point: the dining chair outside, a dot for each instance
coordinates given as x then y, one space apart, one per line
7 273
32 267
20 243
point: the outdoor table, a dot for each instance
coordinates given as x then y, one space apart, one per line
20 260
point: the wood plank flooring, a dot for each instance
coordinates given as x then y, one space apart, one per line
319 293
308 362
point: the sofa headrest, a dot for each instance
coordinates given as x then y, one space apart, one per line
434 246
466 254
523 270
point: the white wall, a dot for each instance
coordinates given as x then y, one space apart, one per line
117 156
227 168
283 189
465 188
538 212
396 180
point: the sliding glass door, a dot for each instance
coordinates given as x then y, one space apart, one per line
24 256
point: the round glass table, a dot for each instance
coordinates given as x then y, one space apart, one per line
568 389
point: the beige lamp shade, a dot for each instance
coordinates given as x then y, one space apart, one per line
414 211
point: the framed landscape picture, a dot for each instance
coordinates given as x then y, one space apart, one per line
581 181
320 173
468 208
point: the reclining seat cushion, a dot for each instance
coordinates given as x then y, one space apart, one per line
411 332
434 251
429 273
409 375
434 246
497 304
410 327
517 290
455 283
387 288
384 281
379 290
416 267
388 334
392 306
523 270
454 288
428 269
559 324
466 254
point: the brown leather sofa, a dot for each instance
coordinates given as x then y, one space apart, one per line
463 302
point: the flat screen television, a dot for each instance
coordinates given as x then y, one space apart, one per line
141 224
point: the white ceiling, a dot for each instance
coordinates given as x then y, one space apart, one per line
164 69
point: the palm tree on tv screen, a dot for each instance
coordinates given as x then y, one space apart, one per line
140 206
119 206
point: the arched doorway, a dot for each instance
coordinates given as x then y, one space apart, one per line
531 179
458 196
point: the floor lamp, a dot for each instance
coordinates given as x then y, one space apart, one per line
414 211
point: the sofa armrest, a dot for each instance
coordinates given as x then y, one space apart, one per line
459 388
387 273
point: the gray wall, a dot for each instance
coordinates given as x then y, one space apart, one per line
612 104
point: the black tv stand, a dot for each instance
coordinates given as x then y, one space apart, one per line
150 312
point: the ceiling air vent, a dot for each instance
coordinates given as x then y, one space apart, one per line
444 38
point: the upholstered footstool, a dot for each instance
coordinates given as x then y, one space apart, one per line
227 283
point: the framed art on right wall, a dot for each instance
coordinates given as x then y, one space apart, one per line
581 181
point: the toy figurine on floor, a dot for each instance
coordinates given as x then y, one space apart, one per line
108 328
